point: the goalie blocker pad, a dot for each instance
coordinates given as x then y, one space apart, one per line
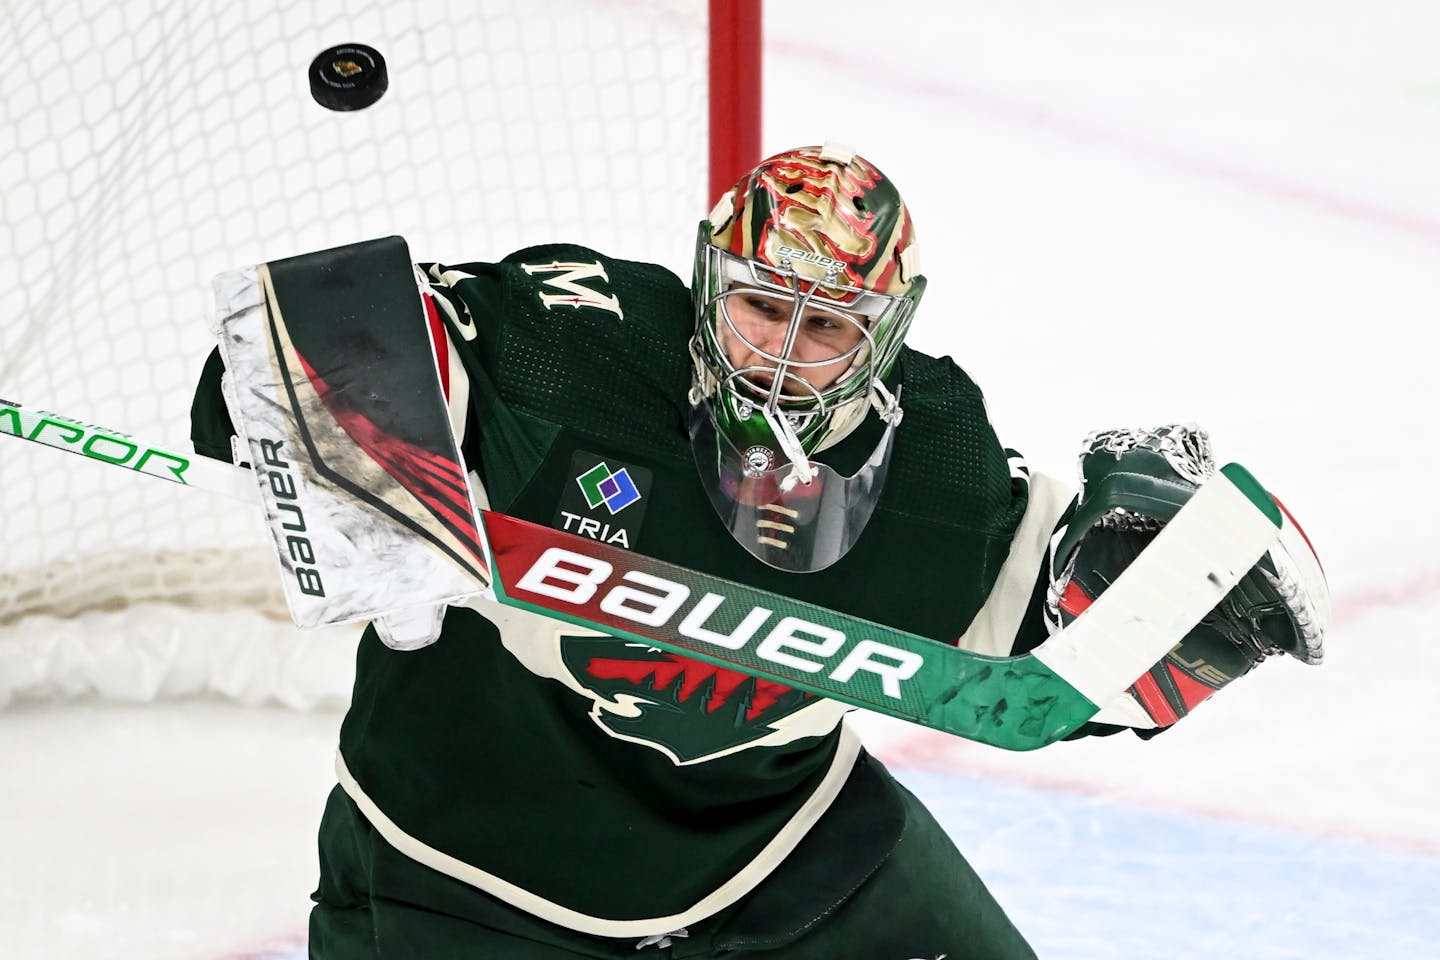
337 398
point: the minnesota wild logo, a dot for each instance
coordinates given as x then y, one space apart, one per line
690 710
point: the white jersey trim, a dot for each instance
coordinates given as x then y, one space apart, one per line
746 880
994 628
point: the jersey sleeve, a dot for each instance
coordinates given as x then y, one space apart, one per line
467 309
212 432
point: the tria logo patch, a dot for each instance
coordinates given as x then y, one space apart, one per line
614 491
604 500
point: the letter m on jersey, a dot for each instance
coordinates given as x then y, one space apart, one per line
573 293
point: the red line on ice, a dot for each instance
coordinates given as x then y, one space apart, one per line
1012 110
935 752
1417 589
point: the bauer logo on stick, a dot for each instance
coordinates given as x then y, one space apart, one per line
351 76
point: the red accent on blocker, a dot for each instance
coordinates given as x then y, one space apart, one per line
1075 600
437 482
1147 691
440 342
1193 692
1299 529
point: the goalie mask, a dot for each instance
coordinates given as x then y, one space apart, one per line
806 280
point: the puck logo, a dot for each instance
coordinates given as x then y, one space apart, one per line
346 68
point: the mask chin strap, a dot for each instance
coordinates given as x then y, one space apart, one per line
885 403
802 470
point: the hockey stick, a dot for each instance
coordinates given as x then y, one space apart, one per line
122 450
1017 703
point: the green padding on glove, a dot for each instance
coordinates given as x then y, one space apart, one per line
1133 483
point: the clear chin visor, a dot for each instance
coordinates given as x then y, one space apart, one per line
783 520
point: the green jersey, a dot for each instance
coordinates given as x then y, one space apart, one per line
544 764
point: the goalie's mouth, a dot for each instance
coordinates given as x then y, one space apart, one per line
755 386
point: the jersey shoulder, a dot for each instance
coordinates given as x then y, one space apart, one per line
949 466
573 337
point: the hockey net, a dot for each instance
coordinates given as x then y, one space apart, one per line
147 145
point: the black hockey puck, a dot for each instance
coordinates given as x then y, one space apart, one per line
348 77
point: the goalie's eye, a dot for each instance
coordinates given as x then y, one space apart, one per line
767 307
828 325
834 333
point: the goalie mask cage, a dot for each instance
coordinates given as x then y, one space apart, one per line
147 145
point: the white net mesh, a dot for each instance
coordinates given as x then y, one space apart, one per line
147 145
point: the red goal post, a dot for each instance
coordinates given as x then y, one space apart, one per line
736 65
152 144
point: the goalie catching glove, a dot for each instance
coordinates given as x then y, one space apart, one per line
1132 483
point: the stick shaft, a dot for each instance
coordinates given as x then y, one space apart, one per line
127 452
1017 703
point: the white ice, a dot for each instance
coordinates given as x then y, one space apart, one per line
1130 213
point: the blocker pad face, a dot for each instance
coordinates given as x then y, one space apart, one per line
337 397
